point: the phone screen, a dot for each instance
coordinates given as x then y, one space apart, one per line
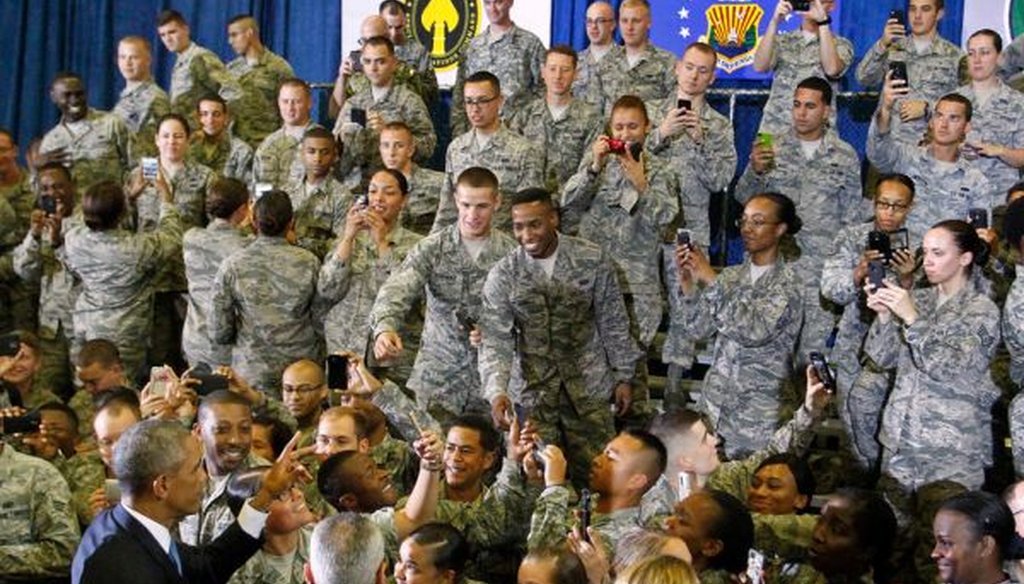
337 372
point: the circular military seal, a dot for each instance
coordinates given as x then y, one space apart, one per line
444 27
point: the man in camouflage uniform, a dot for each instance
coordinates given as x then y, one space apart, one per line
512 158
99 368
514 55
601 34
561 126
821 174
97 145
214 146
18 377
40 533
630 464
397 149
449 268
946 184
996 141
197 70
142 101
408 49
320 201
640 68
259 73
382 102
17 200
204 249
102 252
556 335
697 142
263 296
932 66
36 262
277 159
224 424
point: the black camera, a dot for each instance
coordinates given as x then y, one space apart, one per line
823 371
209 381
800 5
897 15
879 241
899 71
48 205
27 424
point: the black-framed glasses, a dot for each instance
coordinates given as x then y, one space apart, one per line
888 206
479 101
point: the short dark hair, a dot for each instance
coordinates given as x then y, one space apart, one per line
484 77
280 434
56 406
478 177
532 195
670 422
874 526
703 48
734 527
169 16
630 102
957 98
318 132
490 439
397 125
118 400
217 398
403 183
568 567
798 467
392 7
54 165
332 482
448 547
820 85
563 50
987 514
380 41
243 18
102 205
62 75
294 82
654 448
99 351
785 210
273 212
212 97
225 196
997 39
176 117
899 178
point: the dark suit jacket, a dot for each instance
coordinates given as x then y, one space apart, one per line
118 549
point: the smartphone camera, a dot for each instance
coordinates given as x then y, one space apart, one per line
684 104
150 168
823 371
359 117
27 424
10 344
897 15
684 238
879 241
337 372
899 71
978 217
48 205
356 57
209 381
876 274
800 5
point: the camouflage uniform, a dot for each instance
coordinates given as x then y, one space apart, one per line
1013 332
796 57
587 85
423 199
116 269
445 377
100 146
558 345
417 57
256 115
278 160
348 290
1011 63
39 533
827 192
264 568
861 385
553 519
226 156
35 261
141 106
399 408
197 72
214 515
931 73
653 77
516 59
398 458
319 212
85 472
629 226
757 324
701 169
942 190
262 306
936 424
512 158
18 299
16 204
204 249
397 104
563 141
996 121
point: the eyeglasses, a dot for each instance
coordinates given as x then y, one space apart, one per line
755 222
887 206
300 389
596 21
479 101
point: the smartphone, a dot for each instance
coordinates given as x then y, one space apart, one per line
160 379
150 168
684 237
337 372
361 201
359 116
356 57
521 414
823 371
978 217
112 491
209 381
765 139
899 240
48 205
879 241
876 273
686 483
800 5
27 424
636 149
684 104
585 514
10 344
897 15
467 322
899 71
755 567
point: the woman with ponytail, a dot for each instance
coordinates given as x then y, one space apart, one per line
974 535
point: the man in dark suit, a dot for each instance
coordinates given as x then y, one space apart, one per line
159 466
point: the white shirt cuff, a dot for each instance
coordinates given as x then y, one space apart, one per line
252 521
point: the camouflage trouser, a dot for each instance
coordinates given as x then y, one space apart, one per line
860 410
168 320
915 511
581 430
23 300
819 319
645 312
56 371
446 404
